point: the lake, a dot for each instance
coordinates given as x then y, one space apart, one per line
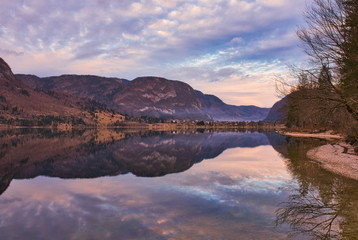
114 184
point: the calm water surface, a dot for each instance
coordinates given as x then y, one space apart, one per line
162 185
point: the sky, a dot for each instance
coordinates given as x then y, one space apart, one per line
234 49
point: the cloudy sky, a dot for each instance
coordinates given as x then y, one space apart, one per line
230 48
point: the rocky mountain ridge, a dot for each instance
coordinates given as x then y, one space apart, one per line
24 105
147 96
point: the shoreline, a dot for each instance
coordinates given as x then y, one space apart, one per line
337 157
329 135
151 126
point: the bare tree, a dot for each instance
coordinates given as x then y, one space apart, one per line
330 40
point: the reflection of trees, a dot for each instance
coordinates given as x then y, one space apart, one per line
321 204
308 212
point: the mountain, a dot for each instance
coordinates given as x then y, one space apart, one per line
86 86
23 104
278 112
19 100
220 111
159 97
147 96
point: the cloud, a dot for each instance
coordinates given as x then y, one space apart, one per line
132 38
10 52
238 191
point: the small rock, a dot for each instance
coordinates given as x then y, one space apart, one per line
351 140
356 149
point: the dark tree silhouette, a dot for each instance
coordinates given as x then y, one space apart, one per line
330 84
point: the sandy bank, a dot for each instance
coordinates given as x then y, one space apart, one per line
329 135
338 158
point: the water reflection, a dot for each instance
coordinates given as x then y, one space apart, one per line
90 154
232 194
322 204
118 185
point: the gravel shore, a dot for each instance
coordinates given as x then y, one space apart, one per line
338 158
329 135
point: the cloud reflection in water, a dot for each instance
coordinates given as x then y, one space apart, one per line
237 192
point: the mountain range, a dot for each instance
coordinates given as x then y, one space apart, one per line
25 95
149 96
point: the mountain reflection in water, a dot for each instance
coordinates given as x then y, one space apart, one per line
93 154
251 180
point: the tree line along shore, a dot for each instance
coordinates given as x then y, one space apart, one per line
325 93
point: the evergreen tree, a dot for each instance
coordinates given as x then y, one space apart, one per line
331 40
349 65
